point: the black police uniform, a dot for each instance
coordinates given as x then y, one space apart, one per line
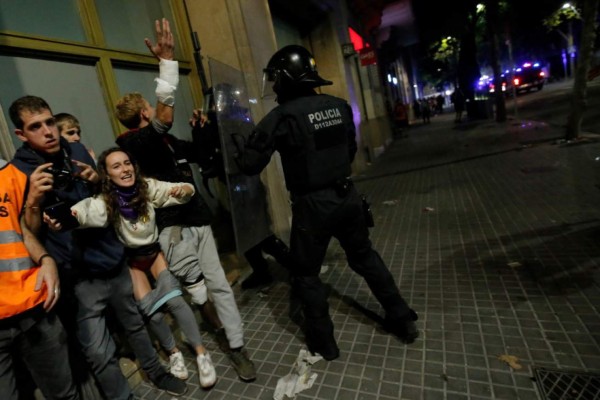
315 137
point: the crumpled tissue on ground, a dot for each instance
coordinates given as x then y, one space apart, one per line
299 379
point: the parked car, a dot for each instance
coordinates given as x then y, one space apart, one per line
524 79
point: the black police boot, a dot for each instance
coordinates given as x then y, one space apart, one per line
318 326
278 249
326 347
260 269
404 328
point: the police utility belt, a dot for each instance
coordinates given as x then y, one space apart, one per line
342 188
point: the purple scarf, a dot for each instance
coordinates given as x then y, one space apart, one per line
124 197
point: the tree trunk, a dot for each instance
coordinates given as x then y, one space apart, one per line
492 28
468 68
578 102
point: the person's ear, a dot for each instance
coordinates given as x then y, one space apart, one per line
21 135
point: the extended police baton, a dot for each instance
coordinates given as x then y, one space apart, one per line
206 92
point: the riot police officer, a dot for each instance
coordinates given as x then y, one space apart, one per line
315 136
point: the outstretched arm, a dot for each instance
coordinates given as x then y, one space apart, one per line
166 83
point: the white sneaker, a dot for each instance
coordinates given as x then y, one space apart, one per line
206 370
177 366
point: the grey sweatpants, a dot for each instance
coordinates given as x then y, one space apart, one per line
193 253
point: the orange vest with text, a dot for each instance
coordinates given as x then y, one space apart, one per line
18 273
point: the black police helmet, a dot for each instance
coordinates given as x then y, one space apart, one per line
291 67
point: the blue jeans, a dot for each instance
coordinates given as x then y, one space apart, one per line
40 340
94 296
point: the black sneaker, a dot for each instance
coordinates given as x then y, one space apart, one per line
170 384
256 280
242 364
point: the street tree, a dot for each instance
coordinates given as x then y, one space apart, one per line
589 13
492 12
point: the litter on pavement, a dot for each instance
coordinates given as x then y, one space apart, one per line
299 379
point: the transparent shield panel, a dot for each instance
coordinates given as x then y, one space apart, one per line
247 195
125 23
67 87
142 81
50 18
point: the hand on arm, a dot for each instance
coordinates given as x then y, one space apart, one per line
48 274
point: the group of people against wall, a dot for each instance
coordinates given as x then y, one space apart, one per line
124 233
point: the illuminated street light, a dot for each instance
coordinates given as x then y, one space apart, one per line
569 38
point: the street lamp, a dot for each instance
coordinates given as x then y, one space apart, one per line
566 13
570 12
570 44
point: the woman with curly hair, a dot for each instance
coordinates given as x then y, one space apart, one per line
127 201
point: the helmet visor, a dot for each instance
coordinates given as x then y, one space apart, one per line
269 77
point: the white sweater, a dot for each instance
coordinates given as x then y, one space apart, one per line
92 213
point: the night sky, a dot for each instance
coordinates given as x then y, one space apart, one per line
531 40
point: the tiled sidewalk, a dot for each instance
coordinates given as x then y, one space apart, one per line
495 244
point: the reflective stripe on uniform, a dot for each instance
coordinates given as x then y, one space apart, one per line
10 237
16 264
19 259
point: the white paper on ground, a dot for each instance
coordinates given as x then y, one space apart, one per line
299 379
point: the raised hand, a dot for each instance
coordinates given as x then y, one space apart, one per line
165 43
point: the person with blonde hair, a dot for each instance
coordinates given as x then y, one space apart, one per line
70 129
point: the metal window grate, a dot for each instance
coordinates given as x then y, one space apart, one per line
567 385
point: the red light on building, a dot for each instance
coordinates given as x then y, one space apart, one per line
356 39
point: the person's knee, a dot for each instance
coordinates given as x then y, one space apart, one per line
175 304
156 318
198 292
98 357
167 288
358 254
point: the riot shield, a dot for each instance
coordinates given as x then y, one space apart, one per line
247 195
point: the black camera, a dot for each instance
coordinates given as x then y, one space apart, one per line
63 178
